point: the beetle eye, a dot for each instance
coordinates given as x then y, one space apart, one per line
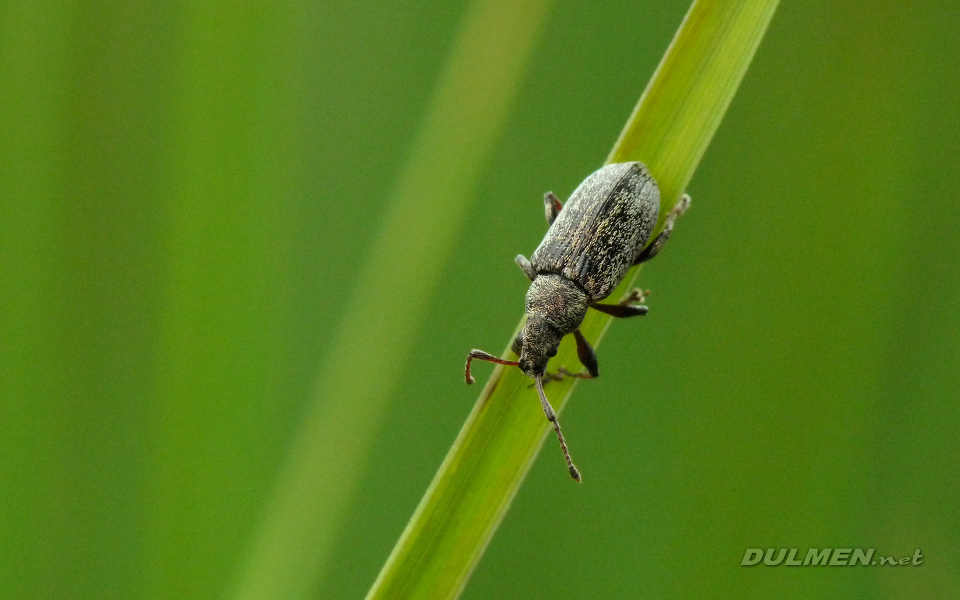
552 352
518 344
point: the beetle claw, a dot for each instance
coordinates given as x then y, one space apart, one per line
635 295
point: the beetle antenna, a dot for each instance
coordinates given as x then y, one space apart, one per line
552 417
481 355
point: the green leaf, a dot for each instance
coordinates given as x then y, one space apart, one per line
669 130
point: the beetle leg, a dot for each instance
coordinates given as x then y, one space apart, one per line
621 310
629 305
635 295
552 206
563 372
481 355
653 249
586 354
548 377
526 266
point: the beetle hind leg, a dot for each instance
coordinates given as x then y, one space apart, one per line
654 248
552 206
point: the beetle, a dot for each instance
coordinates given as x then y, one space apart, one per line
591 243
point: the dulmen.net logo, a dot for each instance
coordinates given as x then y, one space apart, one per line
826 557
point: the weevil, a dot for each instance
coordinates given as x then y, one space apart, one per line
591 243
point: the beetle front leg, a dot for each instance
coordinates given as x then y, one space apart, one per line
653 249
481 355
586 354
552 206
561 374
526 266
588 358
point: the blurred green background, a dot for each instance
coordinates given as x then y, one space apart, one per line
188 189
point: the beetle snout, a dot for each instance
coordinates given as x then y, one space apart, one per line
525 364
531 366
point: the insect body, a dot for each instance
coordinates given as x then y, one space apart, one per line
592 241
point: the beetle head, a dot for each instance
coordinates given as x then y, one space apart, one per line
555 307
539 341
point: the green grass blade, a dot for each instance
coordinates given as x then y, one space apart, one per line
669 130
468 111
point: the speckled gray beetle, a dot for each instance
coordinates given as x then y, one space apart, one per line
592 242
